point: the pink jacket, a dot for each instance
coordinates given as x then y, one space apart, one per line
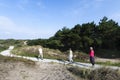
91 54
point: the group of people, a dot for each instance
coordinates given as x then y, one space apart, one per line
91 55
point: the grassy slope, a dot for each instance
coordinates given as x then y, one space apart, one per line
13 59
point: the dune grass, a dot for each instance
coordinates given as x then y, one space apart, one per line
14 59
96 74
108 63
32 51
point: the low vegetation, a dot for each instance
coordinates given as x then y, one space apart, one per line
13 59
97 74
108 63
32 51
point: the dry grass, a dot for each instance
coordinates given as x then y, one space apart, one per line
13 60
104 74
32 51
97 74
80 72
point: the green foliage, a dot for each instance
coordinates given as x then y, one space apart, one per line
107 29
41 42
8 42
107 53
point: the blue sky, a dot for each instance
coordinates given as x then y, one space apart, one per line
33 19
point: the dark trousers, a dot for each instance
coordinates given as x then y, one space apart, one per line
92 60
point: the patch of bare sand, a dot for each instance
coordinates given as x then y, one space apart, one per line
41 71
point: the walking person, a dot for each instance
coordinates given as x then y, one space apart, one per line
91 54
40 53
70 55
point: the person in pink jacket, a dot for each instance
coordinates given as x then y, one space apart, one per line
91 54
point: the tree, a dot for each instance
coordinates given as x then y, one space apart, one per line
88 34
107 28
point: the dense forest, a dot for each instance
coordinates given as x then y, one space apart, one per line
105 35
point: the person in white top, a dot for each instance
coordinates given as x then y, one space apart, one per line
40 53
70 55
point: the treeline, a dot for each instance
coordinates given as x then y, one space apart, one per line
105 35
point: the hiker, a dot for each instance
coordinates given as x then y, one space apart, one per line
40 53
91 54
70 55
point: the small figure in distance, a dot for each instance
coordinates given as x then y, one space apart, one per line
70 55
40 53
91 54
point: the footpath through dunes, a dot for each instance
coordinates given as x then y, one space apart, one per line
79 64
46 69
